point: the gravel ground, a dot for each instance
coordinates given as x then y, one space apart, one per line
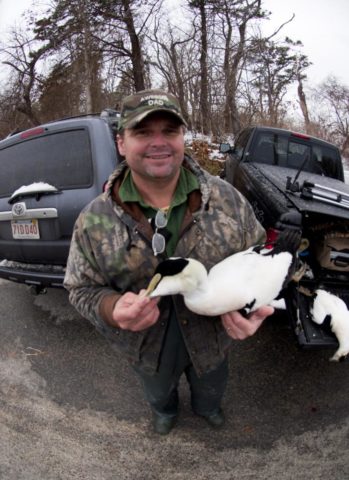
70 408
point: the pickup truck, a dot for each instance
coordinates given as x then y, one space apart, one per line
294 180
48 174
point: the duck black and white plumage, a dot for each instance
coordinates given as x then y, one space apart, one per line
327 307
246 280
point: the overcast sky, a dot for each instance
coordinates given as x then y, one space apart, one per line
321 25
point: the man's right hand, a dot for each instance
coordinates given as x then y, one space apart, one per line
135 312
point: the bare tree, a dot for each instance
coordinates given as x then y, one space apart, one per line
303 102
23 58
125 25
332 105
235 18
11 120
224 72
275 67
173 55
202 7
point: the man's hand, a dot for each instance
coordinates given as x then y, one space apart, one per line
135 312
239 327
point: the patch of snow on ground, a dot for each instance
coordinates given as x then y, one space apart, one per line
214 153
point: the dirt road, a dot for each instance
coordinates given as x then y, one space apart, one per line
71 408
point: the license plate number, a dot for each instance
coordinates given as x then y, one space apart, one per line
25 229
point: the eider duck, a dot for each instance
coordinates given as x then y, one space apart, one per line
327 307
244 281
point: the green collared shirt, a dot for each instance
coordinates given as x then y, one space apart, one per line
187 183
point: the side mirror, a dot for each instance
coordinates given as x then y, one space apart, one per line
225 148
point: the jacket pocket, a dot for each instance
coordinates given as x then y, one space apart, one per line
126 342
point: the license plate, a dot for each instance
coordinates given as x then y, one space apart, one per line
25 229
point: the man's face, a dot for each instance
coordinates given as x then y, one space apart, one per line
155 147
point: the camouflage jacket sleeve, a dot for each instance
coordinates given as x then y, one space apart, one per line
254 233
83 279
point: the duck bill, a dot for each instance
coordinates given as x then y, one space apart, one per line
153 284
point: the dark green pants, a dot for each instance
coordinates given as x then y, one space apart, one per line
161 389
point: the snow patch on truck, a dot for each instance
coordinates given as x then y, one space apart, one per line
35 187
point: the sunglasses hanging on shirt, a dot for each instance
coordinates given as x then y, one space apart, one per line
158 242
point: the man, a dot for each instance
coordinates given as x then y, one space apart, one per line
160 199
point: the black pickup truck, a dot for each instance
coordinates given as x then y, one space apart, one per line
48 174
293 180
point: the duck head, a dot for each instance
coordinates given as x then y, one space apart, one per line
176 275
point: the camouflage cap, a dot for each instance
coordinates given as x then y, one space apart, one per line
141 104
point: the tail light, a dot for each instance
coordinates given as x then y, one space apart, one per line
300 135
32 133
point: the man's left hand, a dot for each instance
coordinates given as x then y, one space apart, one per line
239 327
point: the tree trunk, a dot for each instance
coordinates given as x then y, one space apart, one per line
204 106
303 104
87 63
234 70
179 83
137 56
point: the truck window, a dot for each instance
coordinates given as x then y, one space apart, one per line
297 153
322 160
328 159
241 143
271 148
47 159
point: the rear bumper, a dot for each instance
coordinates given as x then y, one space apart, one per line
40 276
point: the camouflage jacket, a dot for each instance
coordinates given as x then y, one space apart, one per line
111 253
